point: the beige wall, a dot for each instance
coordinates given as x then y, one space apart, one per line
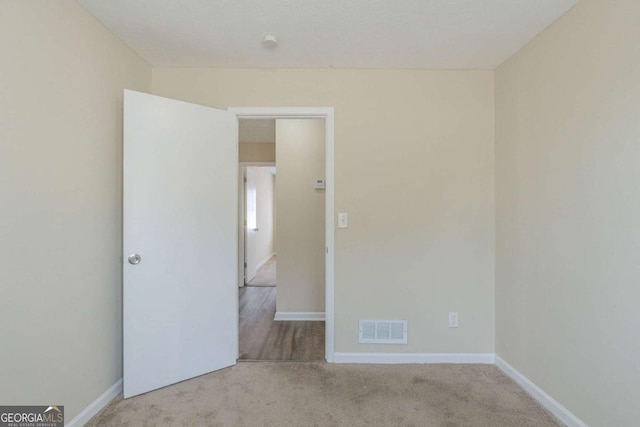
265 204
257 151
61 81
568 206
300 146
414 168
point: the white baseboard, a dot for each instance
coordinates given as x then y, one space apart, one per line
305 316
559 411
265 261
96 406
401 358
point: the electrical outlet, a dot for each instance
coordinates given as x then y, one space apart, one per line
453 319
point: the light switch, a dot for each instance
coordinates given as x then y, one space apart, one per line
343 220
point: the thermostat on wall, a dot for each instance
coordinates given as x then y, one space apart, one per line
319 184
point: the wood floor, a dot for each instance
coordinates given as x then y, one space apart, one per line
261 338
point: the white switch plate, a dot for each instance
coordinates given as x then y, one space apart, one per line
343 220
319 184
453 319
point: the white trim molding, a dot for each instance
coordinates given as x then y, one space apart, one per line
299 316
552 405
96 406
425 358
326 113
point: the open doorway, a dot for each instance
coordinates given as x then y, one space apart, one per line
282 239
260 264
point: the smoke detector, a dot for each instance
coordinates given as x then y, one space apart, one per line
270 41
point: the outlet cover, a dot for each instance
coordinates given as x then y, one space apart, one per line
453 319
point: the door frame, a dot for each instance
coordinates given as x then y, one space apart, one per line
326 113
242 214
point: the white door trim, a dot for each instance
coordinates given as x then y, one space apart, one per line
326 113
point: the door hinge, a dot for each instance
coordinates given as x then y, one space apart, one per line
245 265
245 179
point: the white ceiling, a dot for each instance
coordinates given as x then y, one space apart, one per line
257 130
436 34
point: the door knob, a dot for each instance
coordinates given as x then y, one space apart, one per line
134 259
256 229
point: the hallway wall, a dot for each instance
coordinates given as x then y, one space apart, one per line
300 145
257 151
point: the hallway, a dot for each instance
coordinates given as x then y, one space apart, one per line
262 338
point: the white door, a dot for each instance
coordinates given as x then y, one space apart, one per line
180 305
250 255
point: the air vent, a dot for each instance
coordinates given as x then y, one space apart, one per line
383 332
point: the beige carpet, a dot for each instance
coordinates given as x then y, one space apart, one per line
266 275
321 394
